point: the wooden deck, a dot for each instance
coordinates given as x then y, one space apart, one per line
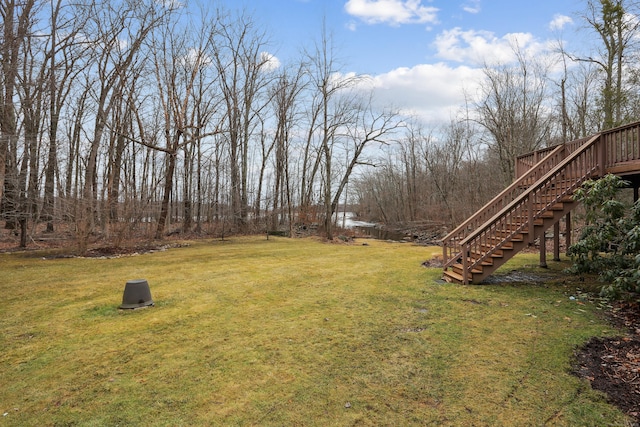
539 197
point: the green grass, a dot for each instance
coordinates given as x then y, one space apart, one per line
288 332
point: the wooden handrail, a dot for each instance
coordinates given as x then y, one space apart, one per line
496 204
524 162
539 190
523 204
539 184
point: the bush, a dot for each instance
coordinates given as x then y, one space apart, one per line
609 243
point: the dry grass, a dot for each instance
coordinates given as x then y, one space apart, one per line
287 332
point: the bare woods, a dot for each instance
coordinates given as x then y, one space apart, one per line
142 118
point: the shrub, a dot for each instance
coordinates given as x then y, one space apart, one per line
609 243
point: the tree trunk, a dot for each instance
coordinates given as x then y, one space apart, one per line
168 185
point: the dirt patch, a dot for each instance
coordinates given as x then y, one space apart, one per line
612 365
435 262
517 276
117 252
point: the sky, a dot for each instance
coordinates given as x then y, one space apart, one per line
422 55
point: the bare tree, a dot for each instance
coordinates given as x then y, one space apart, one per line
311 157
17 17
512 110
107 28
64 65
238 50
31 92
335 108
287 90
178 63
368 127
205 100
578 97
267 144
577 87
617 28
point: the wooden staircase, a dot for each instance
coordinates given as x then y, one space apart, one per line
507 240
519 215
535 201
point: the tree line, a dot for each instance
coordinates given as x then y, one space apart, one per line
128 114
123 118
446 174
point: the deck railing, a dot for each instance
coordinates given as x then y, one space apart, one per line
522 212
621 151
451 243
545 178
529 160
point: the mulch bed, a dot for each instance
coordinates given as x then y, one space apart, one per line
612 365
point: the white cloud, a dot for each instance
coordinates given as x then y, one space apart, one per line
393 12
351 26
472 6
270 61
484 47
433 92
559 22
196 58
171 4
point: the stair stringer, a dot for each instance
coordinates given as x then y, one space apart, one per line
529 215
538 233
451 243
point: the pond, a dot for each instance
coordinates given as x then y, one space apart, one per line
368 229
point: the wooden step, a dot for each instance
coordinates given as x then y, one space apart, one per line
564 182
475 256
458 269
538 221
551 197
499 236
452 277
524 231
504 233
495 241
509 228
557 207
546 214
494 254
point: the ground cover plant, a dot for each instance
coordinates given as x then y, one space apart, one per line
251 331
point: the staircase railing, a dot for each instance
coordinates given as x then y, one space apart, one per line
451 248
564 178
539 187
527 161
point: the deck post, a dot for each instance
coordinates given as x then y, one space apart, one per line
530 219
556 241
543 250
465 265
567 231
445 258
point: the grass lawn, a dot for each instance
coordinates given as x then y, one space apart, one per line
284 332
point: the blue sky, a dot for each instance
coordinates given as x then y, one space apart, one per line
421 54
